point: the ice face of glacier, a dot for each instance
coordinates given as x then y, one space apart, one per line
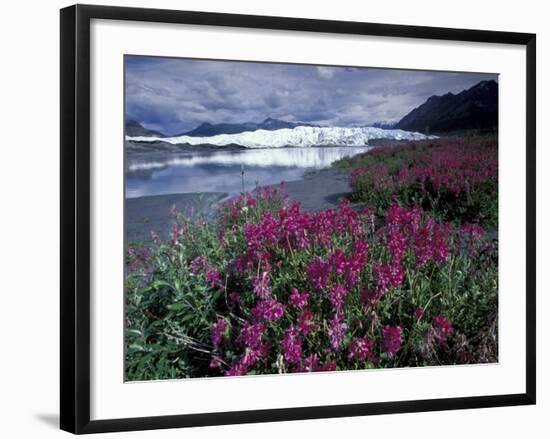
301 136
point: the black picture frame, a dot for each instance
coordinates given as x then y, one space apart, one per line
75 217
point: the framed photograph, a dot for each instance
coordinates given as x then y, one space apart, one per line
268 218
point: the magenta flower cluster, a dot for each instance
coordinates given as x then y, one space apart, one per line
333 273
291 346
360 349
455 167
268 309
426 239
218 330
298 298
391 342
442 328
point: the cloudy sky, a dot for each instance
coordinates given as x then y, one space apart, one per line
174 95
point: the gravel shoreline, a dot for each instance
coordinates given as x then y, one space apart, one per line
315 191
152 213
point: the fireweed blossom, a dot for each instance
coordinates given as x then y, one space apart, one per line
298 298
442 329
360 349
391 340
213 278
474 231
197 264
318 273
268 309
306 322
349 268
472 235
387 276
404 219
218 330
336 333
242 365
291 345
251 335
454 168
430 242
261 285
405 229
176 232
311 363
336 297
396 245
137 256
251 338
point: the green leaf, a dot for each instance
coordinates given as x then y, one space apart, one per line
160 283
176 306
133 332
186 317
134 347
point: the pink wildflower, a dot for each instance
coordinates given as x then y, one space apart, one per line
336 332
391 342
262 286
442 329
291 345
318 273
298 299
268 309
360 349
336 297
251 335
218 331
213 278
311 362
387 276
306 322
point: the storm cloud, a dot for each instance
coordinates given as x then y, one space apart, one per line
174 95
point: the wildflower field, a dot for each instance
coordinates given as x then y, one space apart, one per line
407 279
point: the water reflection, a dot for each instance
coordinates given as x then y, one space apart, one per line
220 171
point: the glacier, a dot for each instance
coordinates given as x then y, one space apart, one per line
301 136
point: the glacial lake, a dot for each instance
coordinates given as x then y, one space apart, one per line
220 170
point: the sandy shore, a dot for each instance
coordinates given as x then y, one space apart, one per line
144 214
316 191
320 190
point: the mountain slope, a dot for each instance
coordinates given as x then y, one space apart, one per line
134 128
475 108
208 129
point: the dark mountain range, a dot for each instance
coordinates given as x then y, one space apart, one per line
475 108
208 129
135 129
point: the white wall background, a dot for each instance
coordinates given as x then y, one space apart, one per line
29 249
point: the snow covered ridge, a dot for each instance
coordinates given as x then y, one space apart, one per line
297 137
